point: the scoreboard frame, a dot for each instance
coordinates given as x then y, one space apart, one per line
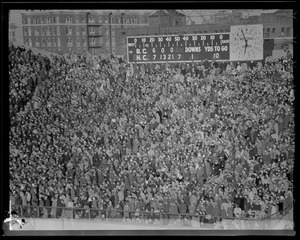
179 35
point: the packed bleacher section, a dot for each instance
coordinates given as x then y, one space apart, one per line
173 140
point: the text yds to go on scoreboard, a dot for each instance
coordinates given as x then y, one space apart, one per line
174 48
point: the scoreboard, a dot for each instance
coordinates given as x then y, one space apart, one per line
176 48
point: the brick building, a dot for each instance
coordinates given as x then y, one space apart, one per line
61 31
12 32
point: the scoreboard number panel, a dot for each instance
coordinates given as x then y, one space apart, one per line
244 42
175 48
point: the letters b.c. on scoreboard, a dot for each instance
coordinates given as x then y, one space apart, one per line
175 48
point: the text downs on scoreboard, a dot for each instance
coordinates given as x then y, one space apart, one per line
175 48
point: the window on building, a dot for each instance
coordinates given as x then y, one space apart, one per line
69 30
48 20
83 31
30 42
92 30
24 20
58 30
29 20
25 32
84 41
78 42
37 42
77 31
119 20
100 30
29 31
288 31
91 19
282 31
53 20
36 32
69 42
273 30
48 31
132 20
68 19
268 30
77 19
26 41
92 41
57 19
135 20
101 40
33 20
48 42
216 31
58 42
54 42
82 19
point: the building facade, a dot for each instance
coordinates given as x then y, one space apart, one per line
63 31
12 32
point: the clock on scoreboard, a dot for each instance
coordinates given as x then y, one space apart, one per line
176 48
246 42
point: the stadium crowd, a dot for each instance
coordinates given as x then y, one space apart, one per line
212 138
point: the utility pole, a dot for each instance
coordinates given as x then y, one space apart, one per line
160 22
110 40
87 32
122 20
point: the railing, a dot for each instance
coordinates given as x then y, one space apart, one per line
155 218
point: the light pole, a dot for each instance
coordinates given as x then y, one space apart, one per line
122 19
110 40
87 32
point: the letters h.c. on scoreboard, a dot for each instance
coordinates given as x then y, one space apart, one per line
198 47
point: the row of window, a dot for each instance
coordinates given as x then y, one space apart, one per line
284 31
69 31
78 19
53 42
37 43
